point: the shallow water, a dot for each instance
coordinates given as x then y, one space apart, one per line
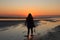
17 30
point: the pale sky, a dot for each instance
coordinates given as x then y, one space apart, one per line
23 7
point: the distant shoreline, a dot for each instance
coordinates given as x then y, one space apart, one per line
14 19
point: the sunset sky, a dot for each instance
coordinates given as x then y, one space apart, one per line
23 7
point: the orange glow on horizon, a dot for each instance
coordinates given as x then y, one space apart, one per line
34 12
24 7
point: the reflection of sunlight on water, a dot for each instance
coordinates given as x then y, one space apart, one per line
18 31
45 26
13 33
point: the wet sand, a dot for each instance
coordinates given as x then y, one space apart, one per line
19 30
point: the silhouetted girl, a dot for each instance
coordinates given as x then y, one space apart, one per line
30 24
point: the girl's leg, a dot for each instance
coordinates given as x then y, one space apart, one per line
28 31
31 31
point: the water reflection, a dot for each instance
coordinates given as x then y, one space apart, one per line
16 30
5 25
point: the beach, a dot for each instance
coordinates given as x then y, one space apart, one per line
16 30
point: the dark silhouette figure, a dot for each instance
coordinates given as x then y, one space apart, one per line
30 24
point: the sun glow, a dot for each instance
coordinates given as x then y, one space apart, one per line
24 7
